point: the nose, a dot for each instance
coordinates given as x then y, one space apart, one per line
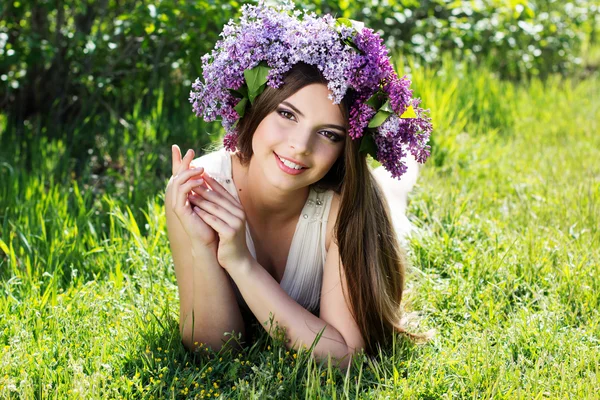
300 141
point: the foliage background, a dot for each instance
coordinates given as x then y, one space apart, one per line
70 64
92 95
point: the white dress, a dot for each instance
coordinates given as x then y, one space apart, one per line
304 267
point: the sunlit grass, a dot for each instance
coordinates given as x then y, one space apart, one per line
505 262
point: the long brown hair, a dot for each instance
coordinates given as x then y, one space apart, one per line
373 261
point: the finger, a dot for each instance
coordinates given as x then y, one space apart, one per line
181 194
231 205
185 162
222 213
222 228
186 174
176 158
204 186
194 198
216 186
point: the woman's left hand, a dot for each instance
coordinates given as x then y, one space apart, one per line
222 212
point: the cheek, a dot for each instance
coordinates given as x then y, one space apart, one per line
267 133
331 154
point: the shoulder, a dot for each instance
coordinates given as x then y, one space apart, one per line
332 219
213 162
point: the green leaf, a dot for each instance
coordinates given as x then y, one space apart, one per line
254 95
351 23
367 145
386 107
4 247
351 44
379 119
240 107
375 100
150 28
235 93
344 22
256 79
240 93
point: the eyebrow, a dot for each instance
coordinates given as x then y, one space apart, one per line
333 126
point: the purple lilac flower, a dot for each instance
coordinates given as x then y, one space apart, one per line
360 115
390 154
373 65
230 141
281 37
413 132
399 93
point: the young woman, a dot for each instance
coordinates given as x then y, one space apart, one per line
288 219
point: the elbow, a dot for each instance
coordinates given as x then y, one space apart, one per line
194 345
342 361
341 357
189 343
216 344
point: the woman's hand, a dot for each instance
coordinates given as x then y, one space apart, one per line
183 181
221 211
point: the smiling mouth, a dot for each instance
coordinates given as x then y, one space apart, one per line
290 164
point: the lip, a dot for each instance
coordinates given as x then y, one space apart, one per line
285 168
292 160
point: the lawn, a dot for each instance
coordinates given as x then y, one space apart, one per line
505 262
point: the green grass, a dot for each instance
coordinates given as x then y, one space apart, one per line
506 264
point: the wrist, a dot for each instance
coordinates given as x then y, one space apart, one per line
203 251
242 268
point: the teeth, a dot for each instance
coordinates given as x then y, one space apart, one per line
290 164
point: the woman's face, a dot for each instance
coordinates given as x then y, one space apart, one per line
308 130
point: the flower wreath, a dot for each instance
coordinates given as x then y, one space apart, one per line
268 41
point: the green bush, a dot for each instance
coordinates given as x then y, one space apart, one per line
63 64
517 38
69 61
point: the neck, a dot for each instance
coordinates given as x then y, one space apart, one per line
262 202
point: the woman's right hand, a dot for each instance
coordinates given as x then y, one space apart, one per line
183 181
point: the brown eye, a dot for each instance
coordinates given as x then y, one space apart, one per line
334 137
286 114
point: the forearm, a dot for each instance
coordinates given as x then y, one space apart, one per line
265 296
214 309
